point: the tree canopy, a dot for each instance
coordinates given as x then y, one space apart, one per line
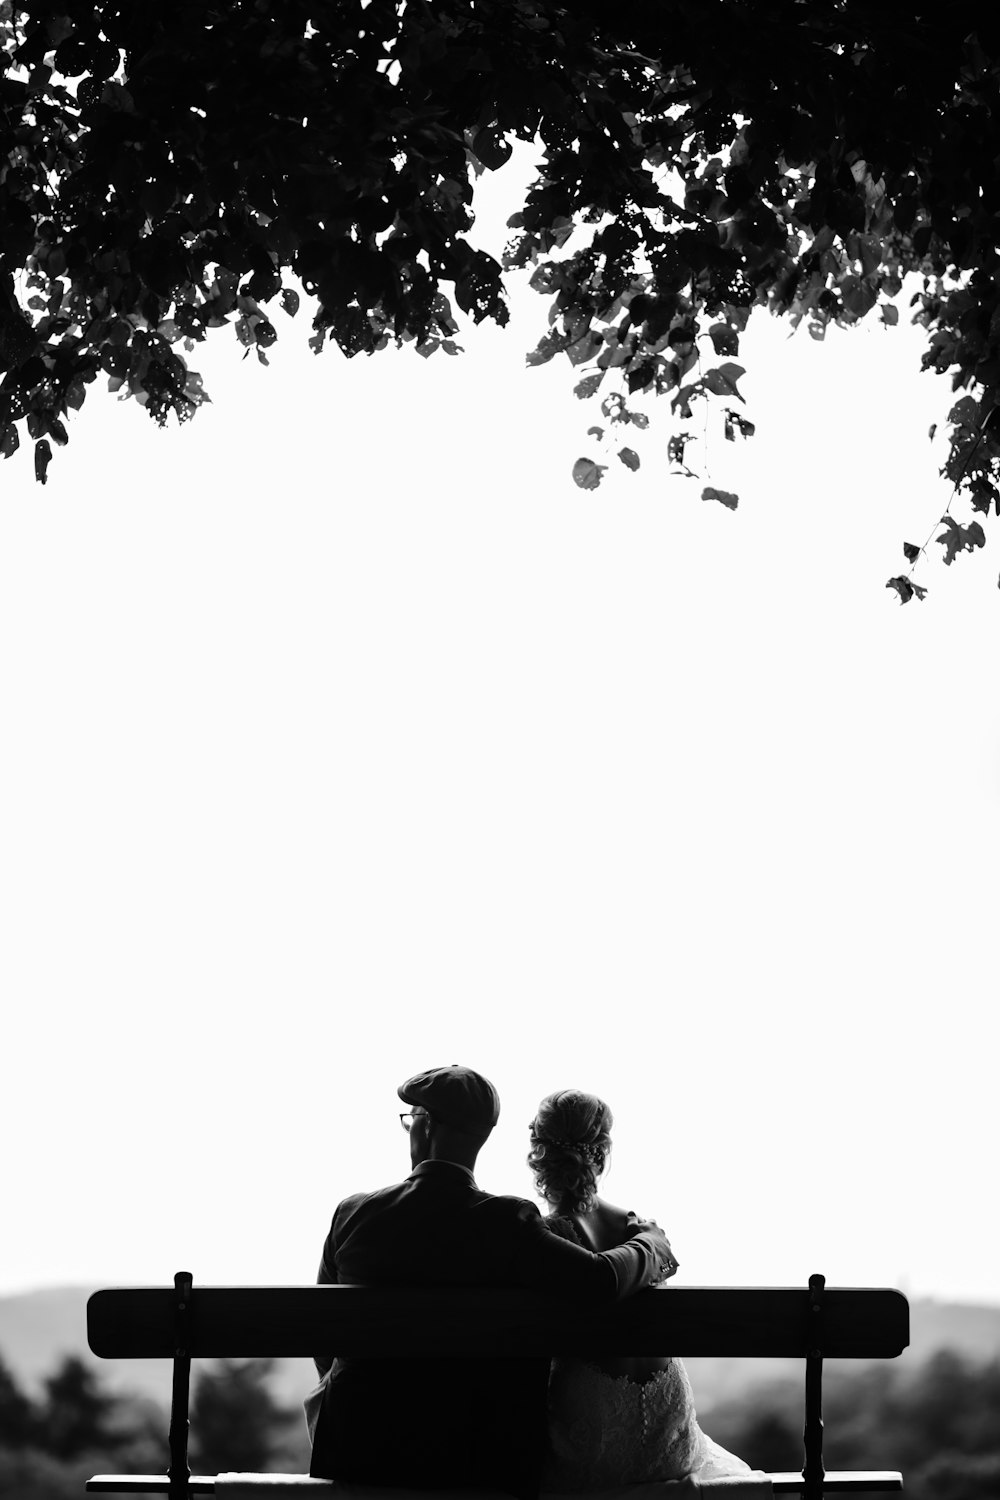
167 170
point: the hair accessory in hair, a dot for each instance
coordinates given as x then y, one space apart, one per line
584 1147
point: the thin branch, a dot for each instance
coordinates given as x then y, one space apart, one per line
951 498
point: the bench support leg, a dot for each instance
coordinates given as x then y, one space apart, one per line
812 1436
179 1473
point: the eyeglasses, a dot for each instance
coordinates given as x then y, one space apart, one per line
407 1119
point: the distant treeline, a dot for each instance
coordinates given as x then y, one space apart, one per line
50 1446
938 1423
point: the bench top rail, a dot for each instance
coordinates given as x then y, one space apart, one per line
379 1322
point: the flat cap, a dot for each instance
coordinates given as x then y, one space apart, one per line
457 1096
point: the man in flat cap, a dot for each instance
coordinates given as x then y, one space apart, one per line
433 1424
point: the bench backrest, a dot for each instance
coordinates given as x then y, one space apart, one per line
143 1322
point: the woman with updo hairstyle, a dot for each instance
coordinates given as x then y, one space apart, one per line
570 1143
611 1421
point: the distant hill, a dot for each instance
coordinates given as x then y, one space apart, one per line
973 1331
38 1328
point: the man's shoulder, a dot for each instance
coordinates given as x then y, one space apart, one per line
355 1203
373 1195
420 1195
507 1206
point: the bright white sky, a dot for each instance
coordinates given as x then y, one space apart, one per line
344 736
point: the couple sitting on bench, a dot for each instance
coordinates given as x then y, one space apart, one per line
516 1425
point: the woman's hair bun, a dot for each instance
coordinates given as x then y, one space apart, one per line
570 1140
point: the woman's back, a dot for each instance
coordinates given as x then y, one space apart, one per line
602 1227
611 1421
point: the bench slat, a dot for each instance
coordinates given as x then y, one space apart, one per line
787 1483
862 1481
766 1322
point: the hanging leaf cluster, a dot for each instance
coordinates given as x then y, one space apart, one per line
170 170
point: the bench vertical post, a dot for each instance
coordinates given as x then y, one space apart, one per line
813 1471
178 1473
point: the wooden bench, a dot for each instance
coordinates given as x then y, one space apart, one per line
182 1324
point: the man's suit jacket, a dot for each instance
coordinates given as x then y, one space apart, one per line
449 1423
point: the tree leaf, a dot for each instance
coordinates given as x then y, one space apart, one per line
725 340
735 423
588 385
641 376
724 497
43 455
587 474
911 552
76 393
721 379
958 538
681 403
859 295
584 348
905 589
629 458
965 412
491 148
546 278
548 346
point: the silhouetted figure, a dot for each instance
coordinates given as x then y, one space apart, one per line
430 1423
611 1421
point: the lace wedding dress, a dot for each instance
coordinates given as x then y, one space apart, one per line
607 1430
